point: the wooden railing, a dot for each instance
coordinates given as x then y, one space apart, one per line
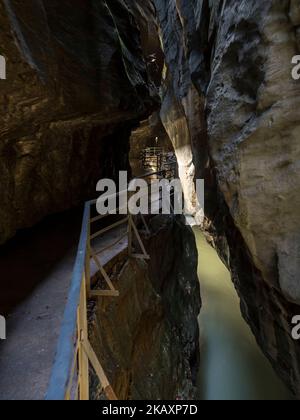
70 374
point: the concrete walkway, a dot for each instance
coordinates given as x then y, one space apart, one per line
35 272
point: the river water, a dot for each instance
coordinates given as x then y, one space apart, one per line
232 365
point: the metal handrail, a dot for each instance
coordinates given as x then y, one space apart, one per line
70 372
67 340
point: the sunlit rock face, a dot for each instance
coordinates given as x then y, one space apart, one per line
238 55
148 338
182 111
76 85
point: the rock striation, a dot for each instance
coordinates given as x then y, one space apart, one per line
77 82
234 111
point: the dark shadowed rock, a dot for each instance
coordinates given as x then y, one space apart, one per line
76 85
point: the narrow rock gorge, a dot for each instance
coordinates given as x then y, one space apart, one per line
82 86
230 100
90 86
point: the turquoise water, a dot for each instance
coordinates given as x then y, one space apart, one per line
232 365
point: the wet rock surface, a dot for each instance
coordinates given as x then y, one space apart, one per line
237 55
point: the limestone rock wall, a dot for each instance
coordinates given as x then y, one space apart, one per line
182 111
148 338
77 83
231 62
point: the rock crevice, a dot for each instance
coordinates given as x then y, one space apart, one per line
245 105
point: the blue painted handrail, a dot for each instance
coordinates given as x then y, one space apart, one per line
64 358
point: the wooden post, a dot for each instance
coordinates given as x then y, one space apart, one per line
136 232
103 272
99 371
145 224
83 361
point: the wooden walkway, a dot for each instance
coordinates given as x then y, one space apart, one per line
70 374
51 325
75 355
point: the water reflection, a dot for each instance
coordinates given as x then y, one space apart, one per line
232 365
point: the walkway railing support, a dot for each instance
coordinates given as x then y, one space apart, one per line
70 374
83 360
